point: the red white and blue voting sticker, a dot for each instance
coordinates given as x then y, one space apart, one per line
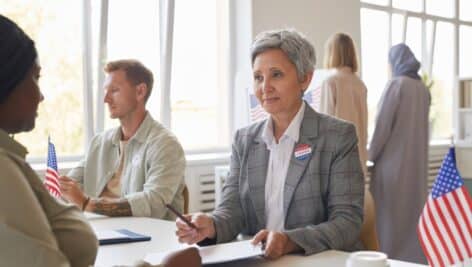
302 151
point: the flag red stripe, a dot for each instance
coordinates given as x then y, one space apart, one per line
441 238
445 222
52 171
431 242
422 242
468 197
457 226
465 198
51 175
52 185
461 209
468 200
52 180
53 190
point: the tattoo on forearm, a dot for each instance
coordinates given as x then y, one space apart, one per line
114 209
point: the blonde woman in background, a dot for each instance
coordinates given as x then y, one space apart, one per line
343 94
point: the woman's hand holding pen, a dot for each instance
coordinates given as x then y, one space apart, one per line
204 228
275 244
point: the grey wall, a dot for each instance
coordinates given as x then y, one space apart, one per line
318 19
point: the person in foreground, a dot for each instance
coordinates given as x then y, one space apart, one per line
295 182
343 95
136 168
35 228
399 151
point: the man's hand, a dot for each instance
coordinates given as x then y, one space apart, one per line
71 191
276 245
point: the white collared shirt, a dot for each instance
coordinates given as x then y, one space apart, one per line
279 159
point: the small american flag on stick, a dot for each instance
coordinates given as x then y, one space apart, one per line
445 225
51 181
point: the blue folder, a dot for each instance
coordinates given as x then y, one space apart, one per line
129 237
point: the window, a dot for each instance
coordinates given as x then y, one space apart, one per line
411 5
199 89
465 12
374 54
134 34
465 43
56 27
76 38
413 36
429 27
195 107
443 76
444 8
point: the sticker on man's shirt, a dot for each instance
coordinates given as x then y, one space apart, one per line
302 151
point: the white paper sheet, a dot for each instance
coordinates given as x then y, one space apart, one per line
217 253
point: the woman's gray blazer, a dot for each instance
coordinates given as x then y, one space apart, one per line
323 194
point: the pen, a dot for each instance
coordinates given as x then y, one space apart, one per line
181 216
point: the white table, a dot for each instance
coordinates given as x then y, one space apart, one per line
163 238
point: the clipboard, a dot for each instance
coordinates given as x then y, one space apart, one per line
109 237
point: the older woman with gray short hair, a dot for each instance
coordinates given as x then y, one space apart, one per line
296 182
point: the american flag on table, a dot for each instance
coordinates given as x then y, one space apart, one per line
51 181
445 225
256 112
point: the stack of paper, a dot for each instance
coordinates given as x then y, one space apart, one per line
217 253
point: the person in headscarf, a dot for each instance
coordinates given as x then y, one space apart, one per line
399 150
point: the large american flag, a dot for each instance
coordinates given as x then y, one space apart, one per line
445 225
256 112
51 181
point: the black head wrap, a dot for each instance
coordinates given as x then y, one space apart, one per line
17 55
